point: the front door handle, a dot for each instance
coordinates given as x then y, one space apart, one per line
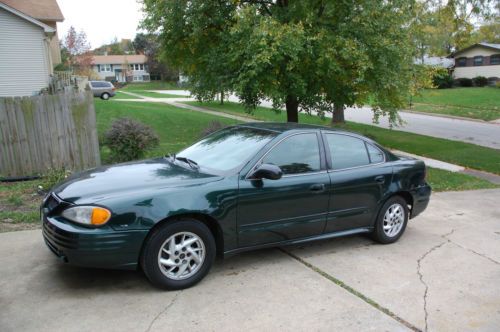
317 188
380 179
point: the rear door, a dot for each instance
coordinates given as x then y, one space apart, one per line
294 206
359 178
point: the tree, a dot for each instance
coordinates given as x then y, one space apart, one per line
314 55
443 26
147 44
78 54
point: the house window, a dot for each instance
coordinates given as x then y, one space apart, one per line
461 62
105 67
137 66
478 60
495 59
137 78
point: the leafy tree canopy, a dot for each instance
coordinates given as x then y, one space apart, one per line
309 54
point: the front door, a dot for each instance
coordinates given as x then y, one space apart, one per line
359 178
294 206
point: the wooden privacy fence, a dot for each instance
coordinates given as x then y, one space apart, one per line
47 132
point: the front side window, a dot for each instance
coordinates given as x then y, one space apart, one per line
461 62
478 61
347 151
495 59
227 149
296 154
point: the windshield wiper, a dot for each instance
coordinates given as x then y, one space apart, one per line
188 161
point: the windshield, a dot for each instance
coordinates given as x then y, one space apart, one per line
227 149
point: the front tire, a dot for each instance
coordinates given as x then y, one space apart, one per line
391 221
179 254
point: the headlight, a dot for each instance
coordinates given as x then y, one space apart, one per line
87 215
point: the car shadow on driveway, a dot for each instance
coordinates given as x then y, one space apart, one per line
106 280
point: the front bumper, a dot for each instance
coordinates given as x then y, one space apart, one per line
421 198
93 247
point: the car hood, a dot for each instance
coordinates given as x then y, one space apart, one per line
121 179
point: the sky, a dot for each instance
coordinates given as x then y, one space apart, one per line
102 20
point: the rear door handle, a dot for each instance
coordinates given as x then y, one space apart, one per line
317 188
380 179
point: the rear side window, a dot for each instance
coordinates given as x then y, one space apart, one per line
101 84
296 154
347 152
376 156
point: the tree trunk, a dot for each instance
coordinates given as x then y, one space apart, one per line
222 97
338 113
292 109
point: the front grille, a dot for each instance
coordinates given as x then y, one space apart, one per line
58 238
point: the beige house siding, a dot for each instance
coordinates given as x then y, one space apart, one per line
471 72
25 64
55 49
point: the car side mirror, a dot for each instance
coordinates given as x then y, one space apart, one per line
267 171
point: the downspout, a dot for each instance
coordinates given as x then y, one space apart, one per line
47 39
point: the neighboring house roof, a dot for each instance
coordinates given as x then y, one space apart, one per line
44 26
486 45
436 61
118 59
45 10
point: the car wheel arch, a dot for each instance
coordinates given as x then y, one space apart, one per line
209 221
404 195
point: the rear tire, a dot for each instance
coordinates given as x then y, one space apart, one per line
105 96
391 221
179 254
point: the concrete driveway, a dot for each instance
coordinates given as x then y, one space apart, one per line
443 275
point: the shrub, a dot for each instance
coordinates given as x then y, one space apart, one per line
52 177
129 139
465 82
442 79
212 127
480 81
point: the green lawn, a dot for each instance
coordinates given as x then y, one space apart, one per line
176 127
441 180
477 103
121 95
153 94
19 206
465 154
153 85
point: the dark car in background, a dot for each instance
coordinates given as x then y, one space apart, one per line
245 187
102 89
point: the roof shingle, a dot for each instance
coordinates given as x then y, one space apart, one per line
44 10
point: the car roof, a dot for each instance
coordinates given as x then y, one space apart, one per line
282 127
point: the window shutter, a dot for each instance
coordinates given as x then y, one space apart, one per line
111 67
98 68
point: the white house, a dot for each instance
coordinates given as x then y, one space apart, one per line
122 68
26 57
481 59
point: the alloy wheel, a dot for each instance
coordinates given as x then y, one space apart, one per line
181 255
394 219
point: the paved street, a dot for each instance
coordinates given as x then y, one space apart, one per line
443 274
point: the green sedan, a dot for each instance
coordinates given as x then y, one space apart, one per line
244 187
